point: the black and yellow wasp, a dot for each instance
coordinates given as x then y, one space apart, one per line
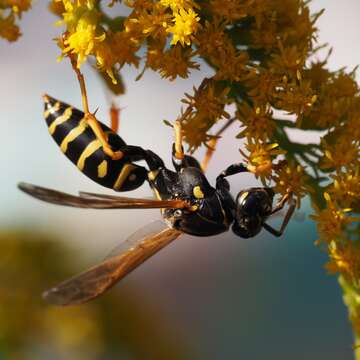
189 204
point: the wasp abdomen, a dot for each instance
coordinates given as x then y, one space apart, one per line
68 127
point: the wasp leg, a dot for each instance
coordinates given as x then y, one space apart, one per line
115 118
233 170
179 150
153 161
223 186
281 203
179 159
90 118
286 220
221 183
186 161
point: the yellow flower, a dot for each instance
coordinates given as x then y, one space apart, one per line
293 178
178 4
177 62
152 22
210 98
124 48
346 189
257 122
343 153
294 98
344 258
185 25
83 40
105 59
231 10
260 156
18 6
332 221
207 106
154 55
8 29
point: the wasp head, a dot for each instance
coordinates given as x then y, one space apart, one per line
253 206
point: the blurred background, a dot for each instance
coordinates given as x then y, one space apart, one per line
200 298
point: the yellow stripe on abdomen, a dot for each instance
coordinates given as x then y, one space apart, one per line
102 169
60 119
72 135
124 173
52 109
89 150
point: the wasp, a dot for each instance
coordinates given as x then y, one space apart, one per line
189 203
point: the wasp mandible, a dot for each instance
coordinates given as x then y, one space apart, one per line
188 203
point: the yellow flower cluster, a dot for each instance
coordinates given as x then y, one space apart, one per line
260 155
10 11
293 178
205 108
333 223
114 42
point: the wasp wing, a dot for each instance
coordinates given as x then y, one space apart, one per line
98 279
90 195
136 238
100 202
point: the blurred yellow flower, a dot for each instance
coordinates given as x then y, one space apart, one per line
8 29
343 153
346 188
178 4
344 259
332 220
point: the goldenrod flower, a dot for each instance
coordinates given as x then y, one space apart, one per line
178 4
105 59
83 40
343 153
210 100
207 107
8 29
231 10
346 188
344 259
332 221
257 122
17 6
10 10
292 178
261 156
177 62
185 25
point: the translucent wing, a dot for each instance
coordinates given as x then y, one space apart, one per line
98 202
95 281
136 238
